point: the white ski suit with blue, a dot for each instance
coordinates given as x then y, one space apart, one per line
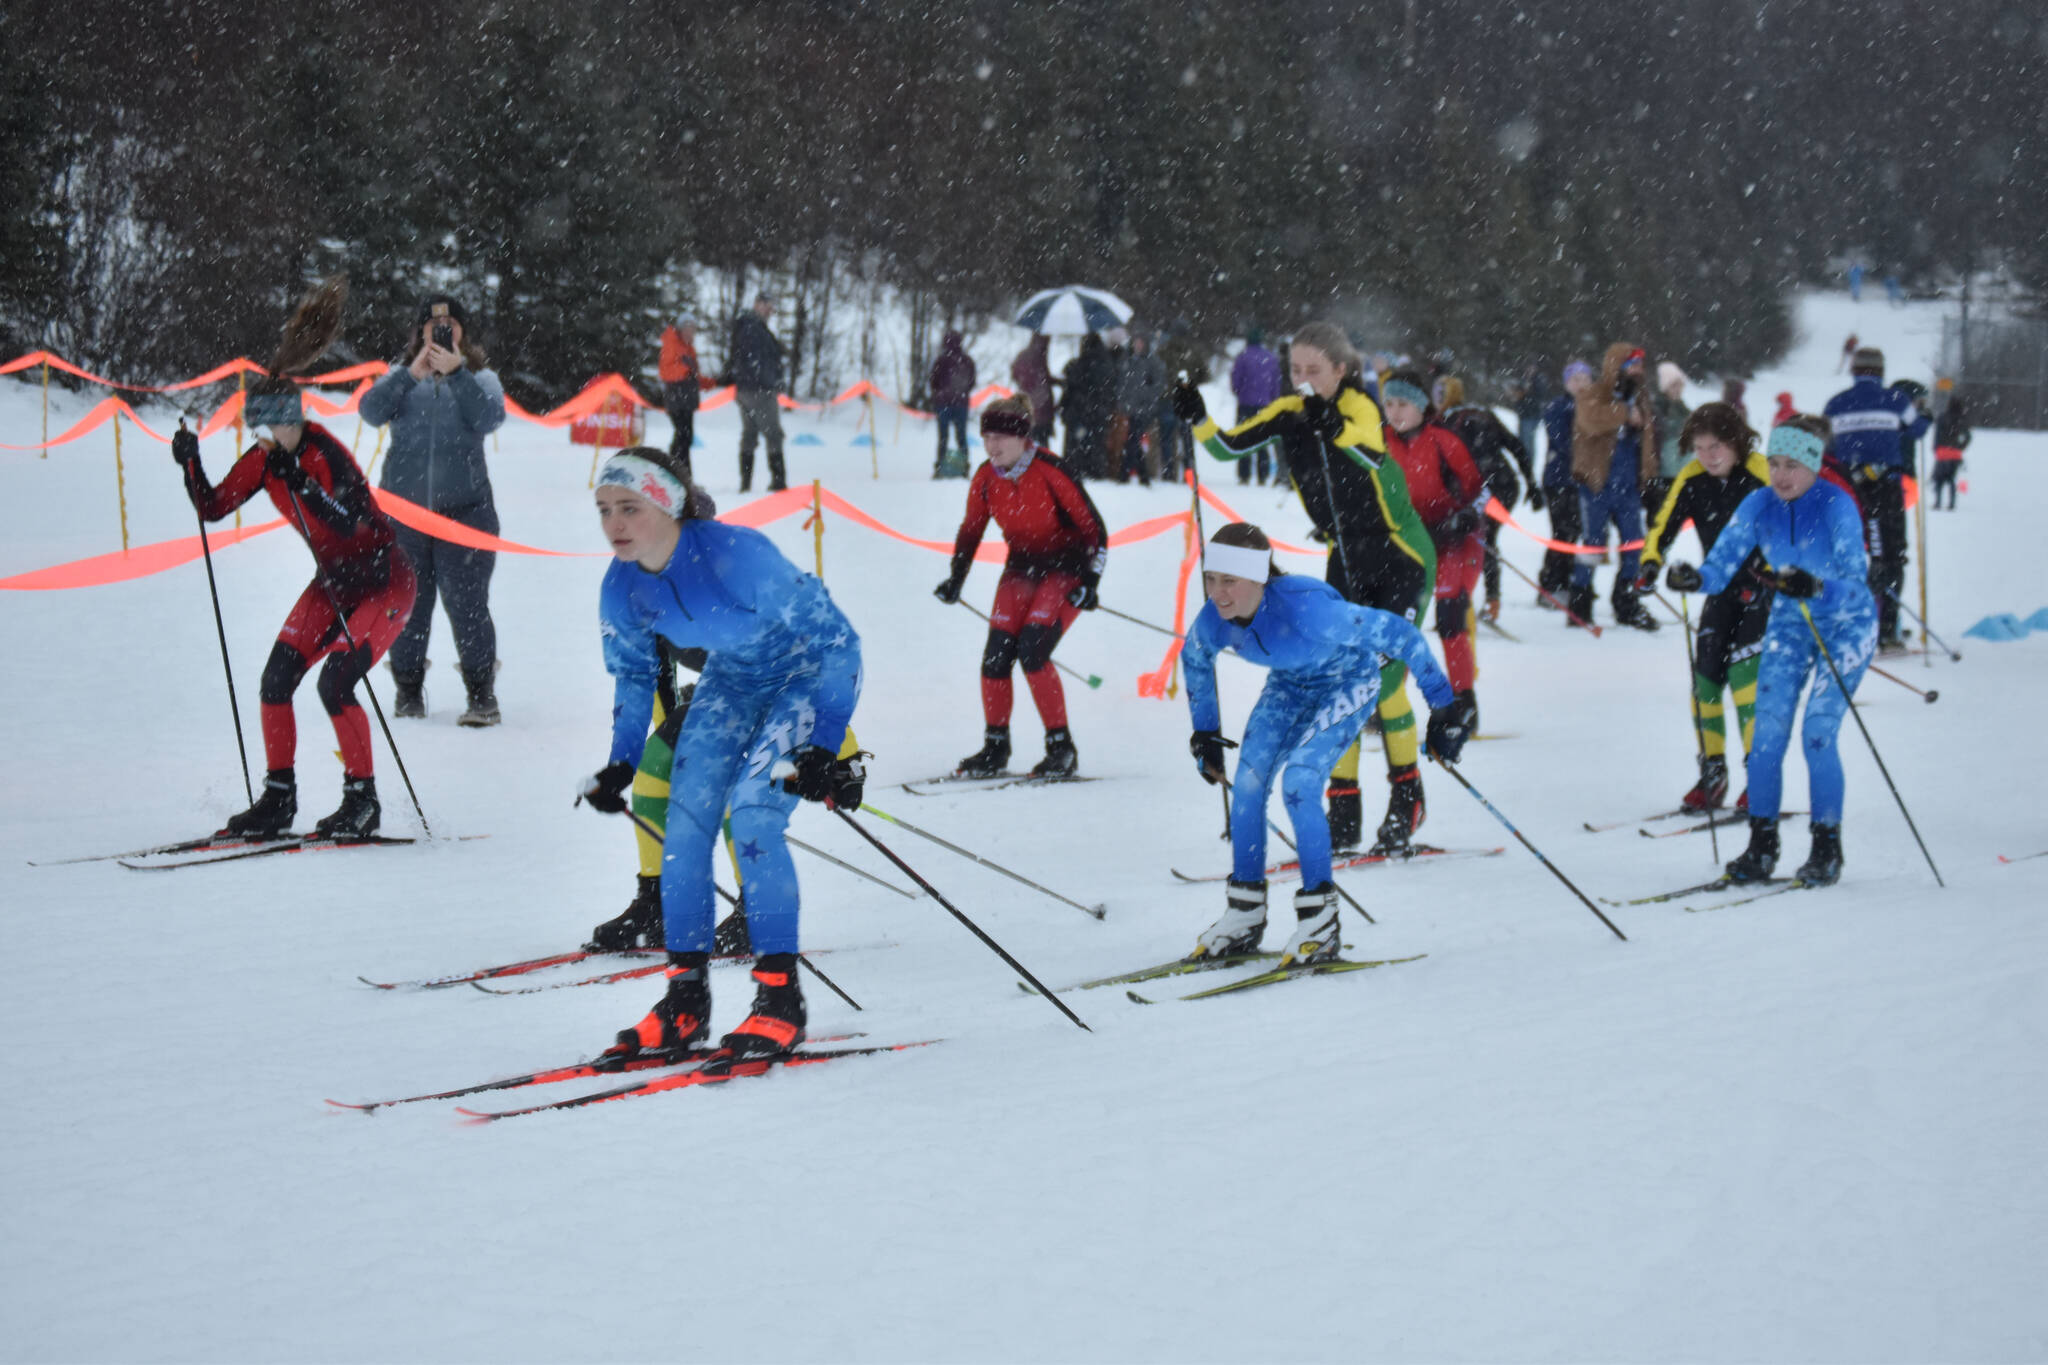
1821 532
1324 653
784 673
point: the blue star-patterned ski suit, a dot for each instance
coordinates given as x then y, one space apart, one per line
1821 532
1324 653
784 672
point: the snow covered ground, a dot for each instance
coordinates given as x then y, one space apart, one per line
1808 1129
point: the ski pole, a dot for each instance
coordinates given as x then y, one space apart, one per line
1545 593
954 911
1699 729
1849 703
1077 676
1510 826
1136 621
1095 910
1349 899
341 620
220 628
1929 695
795 842
1202 565
1924 630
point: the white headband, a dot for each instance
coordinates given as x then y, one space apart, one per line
1239 561
638 474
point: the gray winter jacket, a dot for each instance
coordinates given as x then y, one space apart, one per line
438 427
1141 385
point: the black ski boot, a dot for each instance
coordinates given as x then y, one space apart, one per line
358 813
1347 817
731 938
680 1020
1630 611
1405 814
994 757
483 700
638 926
1061 758
1761 857
776 1025
409 696
1580 604
1712 789
272 815
1823 866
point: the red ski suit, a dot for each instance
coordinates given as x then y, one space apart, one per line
1057 542
1442 479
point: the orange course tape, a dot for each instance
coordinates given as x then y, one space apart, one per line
120 566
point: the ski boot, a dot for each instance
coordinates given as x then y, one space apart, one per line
1061 758
358 814
1405 814
483 700
1712 789
409 697
1315 931
1347 817
994 757
272 815
1760 858
1580 605
1242 926
680 1020
1630 611
731 938
776 1025
637 926
1823 866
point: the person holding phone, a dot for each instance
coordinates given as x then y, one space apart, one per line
440 401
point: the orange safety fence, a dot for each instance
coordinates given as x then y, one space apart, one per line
122 565
103 412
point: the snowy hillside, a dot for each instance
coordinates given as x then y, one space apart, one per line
1806 1129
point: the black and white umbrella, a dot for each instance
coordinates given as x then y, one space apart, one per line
1073 311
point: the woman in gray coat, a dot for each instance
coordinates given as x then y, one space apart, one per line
440 402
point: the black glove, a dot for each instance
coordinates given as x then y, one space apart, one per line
1323 418
1646 576
1535 498
1682 577
1320 536
1083 596
1451 726
605 789
1187 403
1207 746
1457 525
822 776
948 591
281 464
184 446
1799 583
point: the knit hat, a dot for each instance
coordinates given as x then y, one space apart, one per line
1867 358
1579 369
1006 419
1668 371
442 306
686 320
1797 443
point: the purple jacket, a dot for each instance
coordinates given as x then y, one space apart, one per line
1255 378
952 378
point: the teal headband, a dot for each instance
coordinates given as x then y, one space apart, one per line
1794 443
1406 392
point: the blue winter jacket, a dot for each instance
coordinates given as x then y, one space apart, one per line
1819 531
1868 419
766 623
1308 636
1557 438
438 427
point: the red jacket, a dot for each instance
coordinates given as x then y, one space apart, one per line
1442 476
351 541
1047 518
679 361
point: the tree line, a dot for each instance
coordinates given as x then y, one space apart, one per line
1512 183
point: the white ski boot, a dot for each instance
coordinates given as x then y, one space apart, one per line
1315 931
1242 926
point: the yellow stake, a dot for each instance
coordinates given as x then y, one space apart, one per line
818 524
376 450
121 483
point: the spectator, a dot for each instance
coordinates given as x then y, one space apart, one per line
1558 489
1031 372
1951 437
1528 395
1611 429
682 380
1179 354
1089 381
1671 410
1140 391
1255 382
1732 392
1786 411
755 367
440 401
952 384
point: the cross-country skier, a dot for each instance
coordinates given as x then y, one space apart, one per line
1874 428
1497 451
1324 654
779 687
357 564
1058 547
1812 538
1333 442
1725 469
1447 489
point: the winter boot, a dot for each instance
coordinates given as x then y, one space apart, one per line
1347 817
409 696
638 926
680 1020
358 814
1823 866
483 700
1630 611
993 758
1405 814
274 811
777 1024
1580 603
1242 926
1712 789
731 938
1061 759
1315 931
1758 860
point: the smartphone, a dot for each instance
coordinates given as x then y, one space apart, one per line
444 334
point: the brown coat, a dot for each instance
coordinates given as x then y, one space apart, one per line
1598 418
